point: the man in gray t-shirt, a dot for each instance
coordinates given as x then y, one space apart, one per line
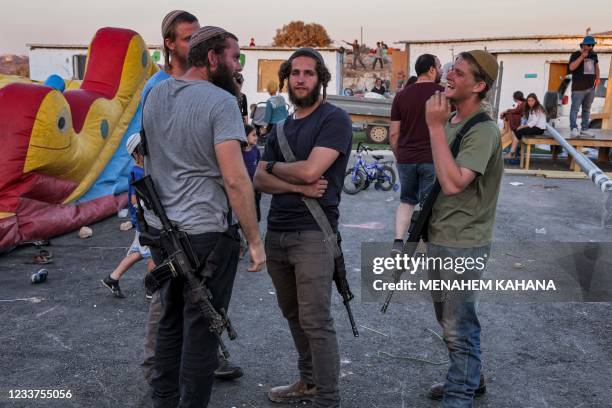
193 133
186 120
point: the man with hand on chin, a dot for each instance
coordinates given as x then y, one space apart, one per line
461 224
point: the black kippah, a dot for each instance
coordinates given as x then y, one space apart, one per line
308 52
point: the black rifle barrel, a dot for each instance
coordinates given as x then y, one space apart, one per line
177 248
343 289
417 231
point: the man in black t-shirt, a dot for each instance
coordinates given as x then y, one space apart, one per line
299 263
584 66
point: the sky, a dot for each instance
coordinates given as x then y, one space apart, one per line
75 22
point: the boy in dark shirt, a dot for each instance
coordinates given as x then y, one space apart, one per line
251 156
584 66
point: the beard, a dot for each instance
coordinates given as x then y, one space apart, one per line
306 101
223 77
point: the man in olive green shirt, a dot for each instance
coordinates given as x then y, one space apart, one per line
461 224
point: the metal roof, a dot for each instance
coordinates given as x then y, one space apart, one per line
272 48
598 50
159 47
524 37
74 46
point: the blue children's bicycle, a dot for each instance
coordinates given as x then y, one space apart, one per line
362 174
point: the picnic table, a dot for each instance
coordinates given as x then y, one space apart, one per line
602 141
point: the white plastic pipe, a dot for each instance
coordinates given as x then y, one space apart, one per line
595 173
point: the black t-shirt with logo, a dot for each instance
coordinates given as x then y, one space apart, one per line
583 77
328 126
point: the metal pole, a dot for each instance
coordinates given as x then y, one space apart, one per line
498 87
598 177
361 38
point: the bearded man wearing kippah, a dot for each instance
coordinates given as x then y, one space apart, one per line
461 224
193 131
177 28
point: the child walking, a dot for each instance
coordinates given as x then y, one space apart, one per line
136 251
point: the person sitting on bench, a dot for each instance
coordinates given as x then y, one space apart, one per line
534 118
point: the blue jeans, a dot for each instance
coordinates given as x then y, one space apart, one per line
584 99
416 180
456 313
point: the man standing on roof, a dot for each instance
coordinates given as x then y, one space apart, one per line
299 263
380 54
461 224
584 66
356 53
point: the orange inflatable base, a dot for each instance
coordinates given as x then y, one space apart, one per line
38 220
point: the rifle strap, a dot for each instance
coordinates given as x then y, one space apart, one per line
313 205
421 223
476 119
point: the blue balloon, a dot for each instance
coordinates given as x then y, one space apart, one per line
56 82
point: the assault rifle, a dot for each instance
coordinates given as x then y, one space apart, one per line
416 232
419 222
181 260
343 287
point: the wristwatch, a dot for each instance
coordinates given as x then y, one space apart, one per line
270 166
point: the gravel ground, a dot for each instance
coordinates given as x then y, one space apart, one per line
70 334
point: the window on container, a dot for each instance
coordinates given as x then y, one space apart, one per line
267 70
78 66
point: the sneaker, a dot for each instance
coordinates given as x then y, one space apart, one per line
575 132
113 285
398 248
297 392
227 370
436 391
587 133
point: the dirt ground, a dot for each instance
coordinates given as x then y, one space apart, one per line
69 333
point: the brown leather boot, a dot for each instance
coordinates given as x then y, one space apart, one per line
296 392
436 391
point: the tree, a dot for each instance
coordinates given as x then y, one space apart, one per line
298 34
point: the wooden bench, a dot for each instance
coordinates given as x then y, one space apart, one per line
601 141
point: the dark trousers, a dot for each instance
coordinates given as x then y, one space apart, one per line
186 350
155 311
258 205
377 59
528 131
302 269
357 58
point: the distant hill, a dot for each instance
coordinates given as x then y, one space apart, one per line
14 65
